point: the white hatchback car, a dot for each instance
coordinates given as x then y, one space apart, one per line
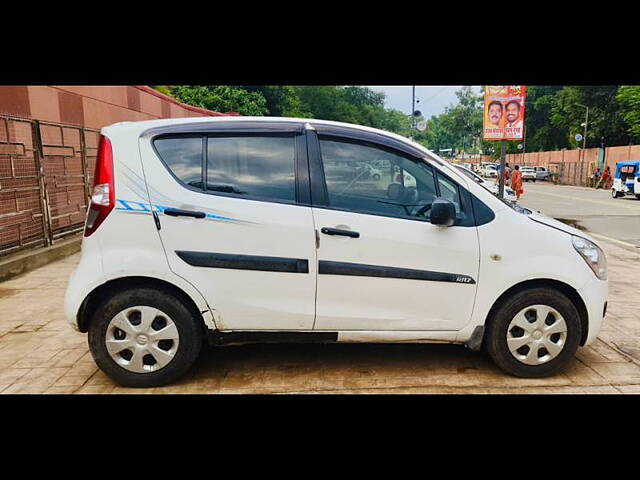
528 173
231 229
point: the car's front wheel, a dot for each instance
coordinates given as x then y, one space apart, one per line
535 333
144 337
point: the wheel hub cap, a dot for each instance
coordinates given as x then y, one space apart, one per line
536 335
142 339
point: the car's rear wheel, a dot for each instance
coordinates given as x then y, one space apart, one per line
534 333
144 337
615 194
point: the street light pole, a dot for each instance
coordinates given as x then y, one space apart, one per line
413 110
586 122
584 140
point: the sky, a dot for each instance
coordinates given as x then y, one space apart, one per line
433 99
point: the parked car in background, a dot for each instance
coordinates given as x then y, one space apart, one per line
489 170
233 229
528 173
509 193
626 180
542 173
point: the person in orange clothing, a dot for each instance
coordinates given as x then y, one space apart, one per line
607 179
516 182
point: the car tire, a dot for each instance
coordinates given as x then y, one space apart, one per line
530 357
615 194
376 177
158 312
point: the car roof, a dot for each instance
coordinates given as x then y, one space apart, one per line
166 122
142 127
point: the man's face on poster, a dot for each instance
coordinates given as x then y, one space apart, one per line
513 110
495 113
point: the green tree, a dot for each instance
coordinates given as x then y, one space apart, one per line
540 134
629 99
282 100
605 114
222 98
162 89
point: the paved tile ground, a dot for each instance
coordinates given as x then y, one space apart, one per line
40 353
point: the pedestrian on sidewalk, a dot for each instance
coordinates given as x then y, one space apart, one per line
595 179
607 180
516 182
507 173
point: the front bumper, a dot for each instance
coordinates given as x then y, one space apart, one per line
594 295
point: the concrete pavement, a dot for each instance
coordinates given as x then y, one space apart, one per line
40 353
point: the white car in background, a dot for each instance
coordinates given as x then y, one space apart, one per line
528 173
489 171
509 194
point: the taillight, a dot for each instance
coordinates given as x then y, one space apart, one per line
103 197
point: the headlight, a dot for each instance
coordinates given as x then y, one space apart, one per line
592 254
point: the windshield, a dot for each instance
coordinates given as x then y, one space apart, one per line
471 175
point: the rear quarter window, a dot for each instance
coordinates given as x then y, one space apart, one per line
183 157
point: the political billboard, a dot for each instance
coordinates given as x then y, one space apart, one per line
504 107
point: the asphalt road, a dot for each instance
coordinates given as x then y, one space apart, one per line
594 211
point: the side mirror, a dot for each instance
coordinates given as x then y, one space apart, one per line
443 212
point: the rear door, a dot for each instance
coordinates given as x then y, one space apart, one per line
382 264
235 220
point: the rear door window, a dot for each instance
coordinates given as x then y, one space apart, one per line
252 166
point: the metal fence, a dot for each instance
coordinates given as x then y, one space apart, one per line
46 172
571 173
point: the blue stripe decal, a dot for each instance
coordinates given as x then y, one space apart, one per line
141 207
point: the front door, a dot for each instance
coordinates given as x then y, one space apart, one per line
382 264
232 222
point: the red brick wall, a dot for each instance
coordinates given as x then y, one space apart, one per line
93 106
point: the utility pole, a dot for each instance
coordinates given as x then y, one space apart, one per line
586 122
502 166
413 109
584 140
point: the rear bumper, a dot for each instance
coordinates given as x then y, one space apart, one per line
88 275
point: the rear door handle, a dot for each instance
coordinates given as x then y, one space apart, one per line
337 231
176 212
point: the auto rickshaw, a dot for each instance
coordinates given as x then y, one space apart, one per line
627 179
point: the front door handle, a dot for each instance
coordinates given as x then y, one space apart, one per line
176 212
337 231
